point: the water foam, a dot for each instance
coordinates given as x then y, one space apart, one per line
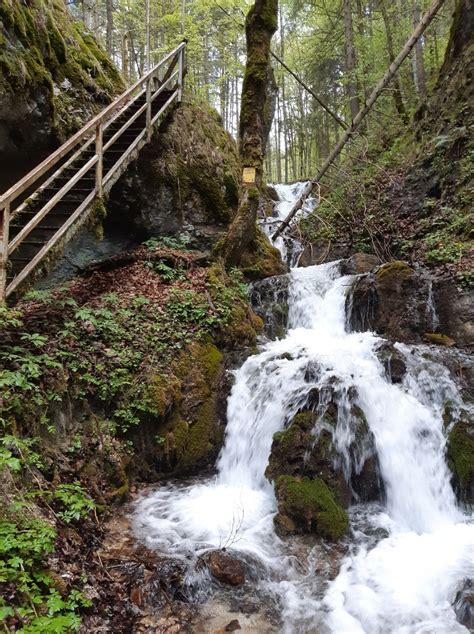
406 582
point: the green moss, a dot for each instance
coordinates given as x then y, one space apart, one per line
199 160
162 390
439 339
393 271
289 437
263 261
311 505
460 451
196 444
34 54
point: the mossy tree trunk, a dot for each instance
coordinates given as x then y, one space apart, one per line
255 121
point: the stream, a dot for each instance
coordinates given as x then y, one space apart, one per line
405 558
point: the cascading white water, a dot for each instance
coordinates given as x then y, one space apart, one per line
406 582
289 248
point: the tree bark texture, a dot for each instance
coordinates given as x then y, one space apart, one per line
258 102
350 59
397 88
419 62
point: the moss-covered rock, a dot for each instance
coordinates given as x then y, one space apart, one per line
406 304
306 448
269 299
185 182
307 505
460 453
264 260
391 276
53 77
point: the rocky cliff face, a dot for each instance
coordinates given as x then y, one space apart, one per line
185 182
53 77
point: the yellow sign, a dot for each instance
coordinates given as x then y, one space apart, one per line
248 175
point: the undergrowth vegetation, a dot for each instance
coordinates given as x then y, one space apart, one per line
107 345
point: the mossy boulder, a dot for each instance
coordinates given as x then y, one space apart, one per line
307 505
460 453
264 260
186 433
307 449
269 299
185 182
53 78
409 305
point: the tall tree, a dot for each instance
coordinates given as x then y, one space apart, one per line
397 88
350 59
419 61
256 107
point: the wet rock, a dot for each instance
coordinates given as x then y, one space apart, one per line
307 448
406 304
226 569
323 251
464 605
460 454
269 299
307 505
359 263
393 362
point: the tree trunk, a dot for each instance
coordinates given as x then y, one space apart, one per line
350 59
419 63
254 126
109 6
397 88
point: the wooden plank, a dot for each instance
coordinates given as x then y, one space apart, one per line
163 108
99 152
181 75
53 158
124 156
148 109
125 126
18 239
18 279
4 228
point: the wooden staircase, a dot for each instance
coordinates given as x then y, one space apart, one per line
45 209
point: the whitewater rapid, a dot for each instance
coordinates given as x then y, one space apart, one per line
403 582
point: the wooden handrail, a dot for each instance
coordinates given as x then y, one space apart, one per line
17 189
92 136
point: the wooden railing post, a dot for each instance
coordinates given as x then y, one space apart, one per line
181 74
148 108
4 227
100 159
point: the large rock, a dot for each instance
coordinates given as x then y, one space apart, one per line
408 305
307 505
307 451
269 299
464 605
53 77
225 568
460 454
359 263
184 183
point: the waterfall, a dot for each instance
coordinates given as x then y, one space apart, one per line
406 580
